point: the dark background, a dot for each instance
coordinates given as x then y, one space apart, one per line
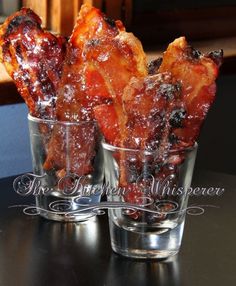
217 142
151 5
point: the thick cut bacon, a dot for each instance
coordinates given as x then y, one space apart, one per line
197 74
33 58
101 59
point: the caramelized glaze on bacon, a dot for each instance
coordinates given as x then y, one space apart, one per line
197 74
182 70
33 58
102 74
148 103
165 110
101 59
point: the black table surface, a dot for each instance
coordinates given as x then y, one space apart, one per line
35 251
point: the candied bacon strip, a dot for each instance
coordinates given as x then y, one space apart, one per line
197 74
101 59
33 58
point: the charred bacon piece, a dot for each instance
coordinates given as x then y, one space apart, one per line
33 58
197 74
154 65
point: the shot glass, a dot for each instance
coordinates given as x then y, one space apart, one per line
149 195
68 168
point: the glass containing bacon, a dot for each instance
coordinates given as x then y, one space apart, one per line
62 82
69 184
151 146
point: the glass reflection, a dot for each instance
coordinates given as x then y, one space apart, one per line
123 271
34 248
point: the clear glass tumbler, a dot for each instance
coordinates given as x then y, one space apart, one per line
68 168
149 199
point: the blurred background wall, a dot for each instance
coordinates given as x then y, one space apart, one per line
14 143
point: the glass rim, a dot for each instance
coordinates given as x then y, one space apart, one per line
53 121
113 148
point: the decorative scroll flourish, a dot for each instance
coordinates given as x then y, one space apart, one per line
80 206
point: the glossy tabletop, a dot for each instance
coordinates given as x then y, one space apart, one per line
35 252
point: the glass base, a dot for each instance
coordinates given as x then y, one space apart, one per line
66 209
161 244
65 218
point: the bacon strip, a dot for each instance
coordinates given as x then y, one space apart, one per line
197 74
33 58
101 59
